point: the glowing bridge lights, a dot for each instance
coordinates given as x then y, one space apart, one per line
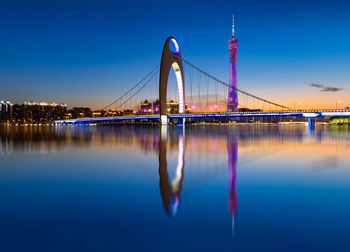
309 115
179 86
205 115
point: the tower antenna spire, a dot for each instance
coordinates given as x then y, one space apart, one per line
233 26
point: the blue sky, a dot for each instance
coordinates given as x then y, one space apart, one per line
89 52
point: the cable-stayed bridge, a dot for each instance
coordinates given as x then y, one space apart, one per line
203 98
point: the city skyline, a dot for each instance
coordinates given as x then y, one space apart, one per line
85 55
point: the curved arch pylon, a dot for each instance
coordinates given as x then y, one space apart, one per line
169 60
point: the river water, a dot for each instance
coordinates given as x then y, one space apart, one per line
199 188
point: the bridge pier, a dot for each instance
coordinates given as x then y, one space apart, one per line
311 118
164 120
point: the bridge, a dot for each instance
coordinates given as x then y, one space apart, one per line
209 98
156 118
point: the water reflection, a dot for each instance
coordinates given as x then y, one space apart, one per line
171 190
98 174
232 156
36 140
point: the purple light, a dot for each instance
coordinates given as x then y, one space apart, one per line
177 48
232 153
232 101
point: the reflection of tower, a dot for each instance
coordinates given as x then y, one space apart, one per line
232 99
171 190
232 150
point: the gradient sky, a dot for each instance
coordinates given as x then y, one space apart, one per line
89 52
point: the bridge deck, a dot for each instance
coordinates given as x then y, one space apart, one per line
308 114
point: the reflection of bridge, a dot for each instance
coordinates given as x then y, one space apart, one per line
37 140
171 189
159 109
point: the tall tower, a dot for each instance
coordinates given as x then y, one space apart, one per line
232 99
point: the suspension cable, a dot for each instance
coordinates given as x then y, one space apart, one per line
144 85
131 89
227 85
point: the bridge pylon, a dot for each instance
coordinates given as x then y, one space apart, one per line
171 59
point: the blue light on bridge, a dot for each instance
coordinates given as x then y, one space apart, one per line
312 114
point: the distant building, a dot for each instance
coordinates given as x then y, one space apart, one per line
42 112
6 112
99 113
2 111
172 107
78 112
127 112
18 113
31 112
110 113
153 107
9 111
149 107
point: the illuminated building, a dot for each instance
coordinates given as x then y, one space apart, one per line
43 112
2 111
149 107
97 113
78 112
232 99
9 111
6 112
112 112
172 107
18 113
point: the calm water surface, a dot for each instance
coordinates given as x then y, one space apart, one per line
202 188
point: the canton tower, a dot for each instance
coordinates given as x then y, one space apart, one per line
232 99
